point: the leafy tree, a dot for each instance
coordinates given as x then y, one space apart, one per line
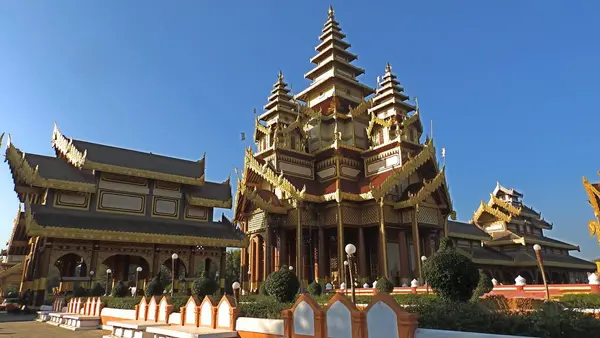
282 285
120 290
205 286
154 288
384 285
484 286
452 275
314 289
98 290
232 268
164 276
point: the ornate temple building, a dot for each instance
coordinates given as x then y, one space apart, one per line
95 212
500 240
337 163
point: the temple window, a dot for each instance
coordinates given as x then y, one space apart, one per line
293 142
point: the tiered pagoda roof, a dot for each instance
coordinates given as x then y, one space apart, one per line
75 169
506 222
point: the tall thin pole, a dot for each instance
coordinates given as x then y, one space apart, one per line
172 276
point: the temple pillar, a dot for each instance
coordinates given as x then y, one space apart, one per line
43 268
383 241
426 243
416 240
299 246
322 256
404 255
340 244
191 268
362 255
244 268
222 270
155 263
268 251
306 262
283 248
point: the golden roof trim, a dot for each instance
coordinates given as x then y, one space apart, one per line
34 229
505 205
79 159
254 197
22 170
409 121
361 108
468 236
260 128
427 189
593 196
404 171
208 202
15 268
270 175
483 207
376 120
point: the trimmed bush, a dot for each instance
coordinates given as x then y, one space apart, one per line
125 303
204 286
265 307
483 286
80 292
314 289
154 288
262 289
282 285
581 300
384 285
98 290
120 290
452 275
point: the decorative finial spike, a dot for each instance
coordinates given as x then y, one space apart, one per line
331 13
280 76
388 68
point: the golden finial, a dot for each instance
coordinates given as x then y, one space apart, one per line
416 103
330 12
280 76
1 138
388 68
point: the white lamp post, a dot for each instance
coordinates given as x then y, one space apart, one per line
137 276
91 278
108 272
538 254
350 250
173 259
423 259
236 292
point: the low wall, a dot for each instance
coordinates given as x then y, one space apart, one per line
536 291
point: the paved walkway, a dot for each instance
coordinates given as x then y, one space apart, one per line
33 329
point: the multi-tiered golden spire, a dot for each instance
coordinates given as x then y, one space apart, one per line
390 95
334 73
281 107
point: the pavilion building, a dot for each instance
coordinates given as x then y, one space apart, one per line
337 163
500 239
94 208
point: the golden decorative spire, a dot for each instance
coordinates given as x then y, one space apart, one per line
388 68
331 13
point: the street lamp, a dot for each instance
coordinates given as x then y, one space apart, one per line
91 278
137 277
538 254
174 258
236 292
291 268
108 272
423 259
350 250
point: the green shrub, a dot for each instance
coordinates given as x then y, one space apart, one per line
452 275
262 289
120 290
483 286
266 307
179 301
384 285
445 244
126 303
80 292
154 288
314 289
283 285
98 290
581 300
204 286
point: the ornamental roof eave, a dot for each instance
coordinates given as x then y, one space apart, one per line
94 156
47 222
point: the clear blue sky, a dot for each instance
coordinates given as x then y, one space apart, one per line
512 86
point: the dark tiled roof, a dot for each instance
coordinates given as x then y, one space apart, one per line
487 254
455 227
139 160
49 216
528 258
211 190
58 169
546 239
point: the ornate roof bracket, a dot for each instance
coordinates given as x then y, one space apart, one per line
427 189
207 202
361 108
260 128
254 197
401 173
483 207
411 120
